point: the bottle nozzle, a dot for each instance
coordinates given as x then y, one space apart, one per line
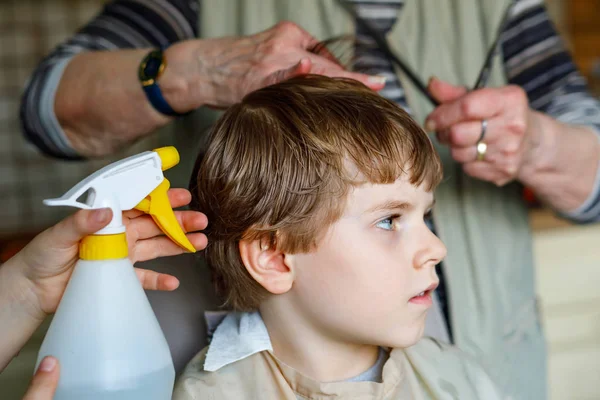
169 156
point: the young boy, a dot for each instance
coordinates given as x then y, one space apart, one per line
316 191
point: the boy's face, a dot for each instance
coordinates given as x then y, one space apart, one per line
364 282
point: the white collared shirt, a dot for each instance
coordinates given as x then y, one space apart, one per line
237 335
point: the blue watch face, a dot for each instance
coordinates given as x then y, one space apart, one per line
152 67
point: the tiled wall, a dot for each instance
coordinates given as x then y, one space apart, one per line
29 29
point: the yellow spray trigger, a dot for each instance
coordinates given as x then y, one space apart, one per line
157 205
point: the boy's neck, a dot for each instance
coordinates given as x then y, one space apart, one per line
300 345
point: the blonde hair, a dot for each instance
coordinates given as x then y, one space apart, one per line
278 166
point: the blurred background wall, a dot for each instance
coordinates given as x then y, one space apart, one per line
29 29
568 257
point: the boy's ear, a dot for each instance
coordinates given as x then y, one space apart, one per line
267 265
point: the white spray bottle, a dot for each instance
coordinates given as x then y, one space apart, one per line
104 333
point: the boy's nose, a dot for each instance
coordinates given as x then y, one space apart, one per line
432 252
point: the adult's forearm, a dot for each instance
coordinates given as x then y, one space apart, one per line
19 317
120 25
564 164
101 106
100 103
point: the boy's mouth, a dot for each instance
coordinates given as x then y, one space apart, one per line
424 297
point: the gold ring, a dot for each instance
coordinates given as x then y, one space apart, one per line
481 150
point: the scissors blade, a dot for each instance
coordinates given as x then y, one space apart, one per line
487 65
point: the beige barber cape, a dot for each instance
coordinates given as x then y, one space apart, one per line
239 364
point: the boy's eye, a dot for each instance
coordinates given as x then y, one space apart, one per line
388 223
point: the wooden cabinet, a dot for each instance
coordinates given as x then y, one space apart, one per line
567 256
568 277
582 26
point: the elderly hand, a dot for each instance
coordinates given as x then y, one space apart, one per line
511 135
47 262
220 72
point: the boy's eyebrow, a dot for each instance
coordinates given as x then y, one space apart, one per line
390 205
394 205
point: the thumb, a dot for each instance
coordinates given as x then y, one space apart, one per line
444 91
44 382
74 228
302 67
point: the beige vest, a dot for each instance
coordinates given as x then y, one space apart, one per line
489 267
427 371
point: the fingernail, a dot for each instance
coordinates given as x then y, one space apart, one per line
430 125
101 215
379 79
431 79
48 364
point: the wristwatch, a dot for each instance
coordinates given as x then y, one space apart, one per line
150 70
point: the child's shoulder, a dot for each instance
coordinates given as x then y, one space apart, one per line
192 379
194 382
232 381
441 366
430 355
195 366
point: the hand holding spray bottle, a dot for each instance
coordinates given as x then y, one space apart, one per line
104 332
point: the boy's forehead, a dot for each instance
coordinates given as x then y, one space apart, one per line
369 196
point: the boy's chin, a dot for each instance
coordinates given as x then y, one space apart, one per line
405 337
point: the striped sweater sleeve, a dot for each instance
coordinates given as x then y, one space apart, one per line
121 24
536 59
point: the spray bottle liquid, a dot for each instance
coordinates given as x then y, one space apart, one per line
104 334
